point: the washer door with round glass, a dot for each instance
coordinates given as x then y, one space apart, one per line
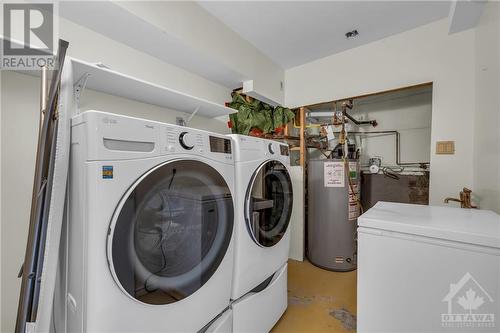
268 203
171 232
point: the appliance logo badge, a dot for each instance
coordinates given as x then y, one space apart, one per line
467 301
107 172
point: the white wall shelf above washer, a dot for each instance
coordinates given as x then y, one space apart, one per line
105 80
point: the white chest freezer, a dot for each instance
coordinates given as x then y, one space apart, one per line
428 269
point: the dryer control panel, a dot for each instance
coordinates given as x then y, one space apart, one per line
248 148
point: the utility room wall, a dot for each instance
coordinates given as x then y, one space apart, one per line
409 113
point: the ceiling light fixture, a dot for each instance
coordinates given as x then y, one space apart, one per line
352 34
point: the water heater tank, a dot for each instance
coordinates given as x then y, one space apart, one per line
333 209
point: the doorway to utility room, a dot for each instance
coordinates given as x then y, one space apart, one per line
399 145
378 148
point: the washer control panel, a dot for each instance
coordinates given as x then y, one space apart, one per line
179 139
186 140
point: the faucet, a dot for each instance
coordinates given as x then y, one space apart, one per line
465 199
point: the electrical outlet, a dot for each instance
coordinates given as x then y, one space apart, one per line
445 147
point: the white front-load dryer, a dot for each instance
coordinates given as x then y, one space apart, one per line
150 233
264 201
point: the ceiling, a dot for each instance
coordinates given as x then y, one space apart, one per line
292 33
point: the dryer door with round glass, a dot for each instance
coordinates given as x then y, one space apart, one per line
171 232
268 203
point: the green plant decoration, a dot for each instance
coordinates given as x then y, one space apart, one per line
257 116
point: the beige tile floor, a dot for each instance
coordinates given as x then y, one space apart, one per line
318 300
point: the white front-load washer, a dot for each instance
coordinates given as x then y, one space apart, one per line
150 233
264 200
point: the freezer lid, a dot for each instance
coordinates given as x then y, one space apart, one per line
473 226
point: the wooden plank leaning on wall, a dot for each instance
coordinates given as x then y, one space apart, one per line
302 115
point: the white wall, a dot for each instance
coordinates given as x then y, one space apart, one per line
18 138
425 54
487 116
193 25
